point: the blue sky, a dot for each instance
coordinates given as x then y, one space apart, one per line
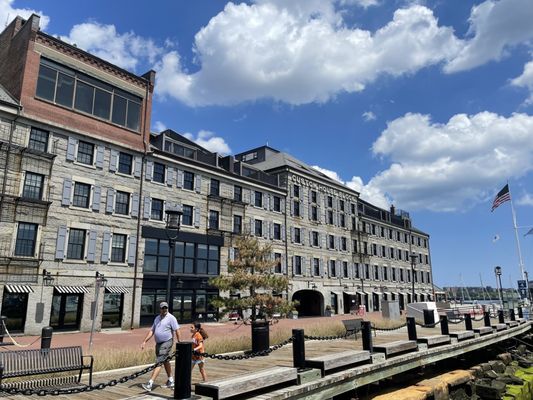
425 104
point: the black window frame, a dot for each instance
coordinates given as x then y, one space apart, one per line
36 141
122 207
277 203
296 208
186 215
258 198
33 186
296 191
125 163
156 212
81 195
316 266
277 267
277 231
297 267
118 253
76 244
214 217
188 180
26 240
315 239
258 227
214 187
314 213
158 173
85 153
297 235
237 193
237 224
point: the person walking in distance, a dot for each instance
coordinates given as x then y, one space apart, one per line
198 336
163 328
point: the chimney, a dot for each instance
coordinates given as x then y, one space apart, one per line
392 210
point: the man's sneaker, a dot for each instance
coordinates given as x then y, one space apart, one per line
147 387
169 384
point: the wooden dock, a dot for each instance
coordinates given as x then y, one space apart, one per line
325 387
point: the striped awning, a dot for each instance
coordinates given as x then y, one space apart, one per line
116 289
71 289
19 289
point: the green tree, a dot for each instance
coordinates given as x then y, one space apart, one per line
251 272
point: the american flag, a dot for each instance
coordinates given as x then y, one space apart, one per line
502 196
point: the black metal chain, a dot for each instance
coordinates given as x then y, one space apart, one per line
389 329
245 356
433 325
456 321
478 319
343 336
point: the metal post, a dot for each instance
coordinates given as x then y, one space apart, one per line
183 371
411 328
511 314
444 325
468 322
520 313
413 257
298 348
501 319
367 335
2 328
95 312
171 244
46 337
486 318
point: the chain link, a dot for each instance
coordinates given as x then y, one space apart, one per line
343 336
245 356
389 329
433 325
456 321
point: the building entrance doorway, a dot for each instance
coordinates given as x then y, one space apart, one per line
14 307
66 311
112 311
311 303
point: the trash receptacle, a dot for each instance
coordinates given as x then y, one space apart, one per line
46 337
260 338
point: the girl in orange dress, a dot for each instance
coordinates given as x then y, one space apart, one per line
198 337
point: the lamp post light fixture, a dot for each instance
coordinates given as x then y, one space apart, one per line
172 228
101 281
498 273
48 280
413 257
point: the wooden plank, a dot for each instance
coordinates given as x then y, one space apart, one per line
246 383
512 324
337 360
500 327
397 347
462 335
483 330
434 340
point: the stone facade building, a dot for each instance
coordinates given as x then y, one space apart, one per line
84 188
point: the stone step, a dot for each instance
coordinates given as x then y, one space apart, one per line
434 340
462 335
396 348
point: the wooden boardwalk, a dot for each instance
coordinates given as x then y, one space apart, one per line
217 369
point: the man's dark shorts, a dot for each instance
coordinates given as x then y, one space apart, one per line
163 350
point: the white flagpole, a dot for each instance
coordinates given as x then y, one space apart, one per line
521 262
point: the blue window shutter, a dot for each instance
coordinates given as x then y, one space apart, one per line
105 247
149 174
231 254
147 209
135 205
170 176
71 148
137 166
283 265
283 232
60 242
304 266
252 226
113 160
246 196
132 247
321 267
196 217
97 193
110 201
91 248
302 236
99 156
180 178
198 183
293 267
67 189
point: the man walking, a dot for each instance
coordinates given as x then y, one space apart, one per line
165 324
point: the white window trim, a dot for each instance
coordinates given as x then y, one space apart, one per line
95 149
164 183
78 179
130 193
126 250
158 221
37 241
86 228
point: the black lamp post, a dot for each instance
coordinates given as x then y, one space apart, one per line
172 228
498 272
413 256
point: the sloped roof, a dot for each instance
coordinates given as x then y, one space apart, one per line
5 97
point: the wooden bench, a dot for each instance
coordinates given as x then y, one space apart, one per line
435 340
247 383
462 335
483 330
21 363
499 327
353 326
396 348
334 361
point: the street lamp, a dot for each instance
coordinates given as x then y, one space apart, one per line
414 257
172 229
498 272
101 281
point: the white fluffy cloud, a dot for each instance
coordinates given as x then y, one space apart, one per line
525 200
445 167
526 80
494 27
369 116
159 126
8 13
360 3
300 52
209 141
122 49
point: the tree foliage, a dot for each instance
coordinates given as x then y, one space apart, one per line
251 272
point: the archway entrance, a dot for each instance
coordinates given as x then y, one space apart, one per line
311 303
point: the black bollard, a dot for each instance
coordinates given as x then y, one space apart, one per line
183 370
298 348
411 328
511 314
486 318
520 313
429 317
367 335
2 328
444 325
468 322
501 319
46 337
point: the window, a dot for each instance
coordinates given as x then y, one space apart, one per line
158 173
374 229
82 195
342 220
296 208
85 153
188 180
382 231
26 239
277 231
277 267
297 265
385 272
330 201
237 193
343 244
314 213
118 248
367 271
428 277
399 252
376 272
313 196
365 248
178 149
38 140
73 89
206 258
214 188
345 269
374 249
157 210
316 266
354 246
341 205
357 274
390 234
76 244
125 163
353 224
237 224
258 199
401 275
258 229
122 203
277 203
314 236
332 268
330 217
33 186
331 241
297 235
352 208
186 218
394 274
296 191
213 219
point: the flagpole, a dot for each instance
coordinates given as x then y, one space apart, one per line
521 262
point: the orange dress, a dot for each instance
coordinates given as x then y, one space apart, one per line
198 340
